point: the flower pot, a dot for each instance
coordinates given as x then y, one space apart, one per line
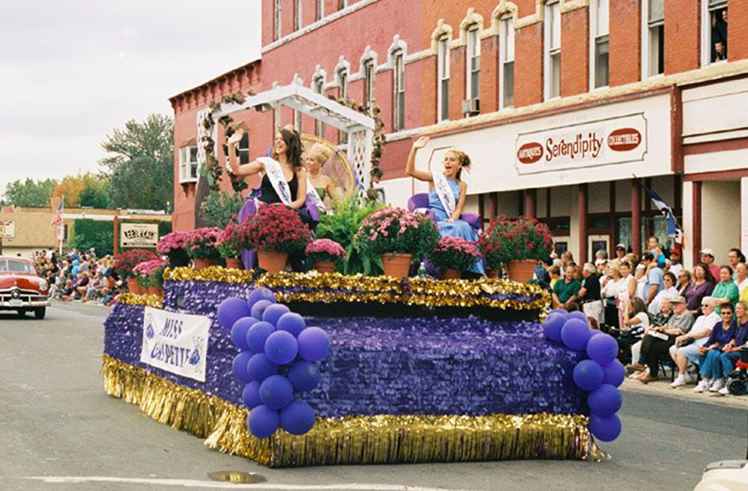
451 274
521 270
178 258
202 262
396 265
493 274
133 287
233 262
325 266
272 261
155 290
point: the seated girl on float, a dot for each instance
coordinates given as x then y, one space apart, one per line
322 189
447 200
284 179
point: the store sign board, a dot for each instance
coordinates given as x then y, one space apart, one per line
139 235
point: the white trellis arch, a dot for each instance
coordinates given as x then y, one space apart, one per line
359 127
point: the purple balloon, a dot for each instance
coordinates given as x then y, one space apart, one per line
258 308
605 428
304 376
263 421
251 395
259 367
577 315
314 344
603 348
588 375
257 335
274 312
552 326
239 332
575 334
614 373
231 310
297 418
291 322
260 294
239 366
604 401
276 392
281 347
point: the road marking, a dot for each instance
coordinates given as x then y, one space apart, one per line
189 483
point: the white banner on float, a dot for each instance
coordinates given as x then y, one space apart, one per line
176 343
596 143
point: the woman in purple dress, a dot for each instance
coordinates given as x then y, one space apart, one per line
702 284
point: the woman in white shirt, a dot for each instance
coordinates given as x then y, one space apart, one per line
632 331
609 293
626 292
669 291
741 277
640 275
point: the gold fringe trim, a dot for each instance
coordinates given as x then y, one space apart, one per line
156 301
382 439
211 273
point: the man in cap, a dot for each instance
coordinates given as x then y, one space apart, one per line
620 252
707 257
686 347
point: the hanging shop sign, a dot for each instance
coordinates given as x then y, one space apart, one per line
139 235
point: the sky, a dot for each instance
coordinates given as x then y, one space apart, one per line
71 71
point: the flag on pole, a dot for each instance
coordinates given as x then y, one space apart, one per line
673 230
58 205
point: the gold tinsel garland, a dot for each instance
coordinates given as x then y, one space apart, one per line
382 439
211 273
156 301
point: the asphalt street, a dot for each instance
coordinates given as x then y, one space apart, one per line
59 430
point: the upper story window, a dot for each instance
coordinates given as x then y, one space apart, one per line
398 83
369 83
653 37
442 68
552 48
713 31
188 165
277 19
472 85
342 4
343 93
319 127
506 63
298 19
599 68
320 10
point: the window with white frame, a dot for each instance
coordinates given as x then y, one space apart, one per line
243 149
713 31
343 91
442 68
277 19
298 20
398 83
599 46
653 37
320 9
506 63
552 47
188 166
369 83
342 4
319 127
472 87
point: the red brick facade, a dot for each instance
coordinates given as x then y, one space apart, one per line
625 42
575 35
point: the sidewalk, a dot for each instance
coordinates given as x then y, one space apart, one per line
662 388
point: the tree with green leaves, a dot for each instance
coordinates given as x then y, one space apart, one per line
96 194
30 193
139 163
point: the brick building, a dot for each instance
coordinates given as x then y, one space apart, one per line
569 109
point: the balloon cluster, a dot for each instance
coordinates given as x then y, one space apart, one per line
276 362
599 374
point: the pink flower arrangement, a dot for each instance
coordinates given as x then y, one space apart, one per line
230 242
172 241
506 239
324 250
202 243
454 253
150 273
395 230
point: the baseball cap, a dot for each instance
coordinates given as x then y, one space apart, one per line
677 299
620 246
707 252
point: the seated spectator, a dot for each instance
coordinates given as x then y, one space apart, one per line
81 285
701 286
620 251
632 331
741 279
726 288
707 257
735 257
640 275
565 291
675 261
589 293
69 290
686 347
654 278
684 281
659 337
555 273
610 293
668 291
712 376
731 352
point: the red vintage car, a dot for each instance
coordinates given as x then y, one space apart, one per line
21 289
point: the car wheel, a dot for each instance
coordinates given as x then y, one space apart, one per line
40 312
21 313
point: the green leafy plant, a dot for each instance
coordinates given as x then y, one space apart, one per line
455 253
220 207
395 230
506 239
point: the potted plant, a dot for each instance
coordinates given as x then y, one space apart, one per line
399 237
454 256
517 244
276 231
229 245
150 276
174 246
202 246
124 265
324 254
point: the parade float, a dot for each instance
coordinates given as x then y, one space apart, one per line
345 365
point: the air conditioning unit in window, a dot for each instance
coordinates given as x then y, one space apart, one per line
471 107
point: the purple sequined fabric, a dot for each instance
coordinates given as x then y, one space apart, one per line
422 365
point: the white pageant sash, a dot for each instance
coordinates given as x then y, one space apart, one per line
314 195
277 179
444 192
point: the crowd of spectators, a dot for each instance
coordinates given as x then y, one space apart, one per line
78 276
663 315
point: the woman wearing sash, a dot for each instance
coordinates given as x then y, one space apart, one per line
447 200
322 187
284 179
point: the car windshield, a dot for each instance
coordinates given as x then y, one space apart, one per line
11 266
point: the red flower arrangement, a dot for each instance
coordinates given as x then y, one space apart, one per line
506 239
324 250
124 263
230 242
276 228
202 243
454 253
150 273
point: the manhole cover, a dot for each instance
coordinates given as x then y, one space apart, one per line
237 477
